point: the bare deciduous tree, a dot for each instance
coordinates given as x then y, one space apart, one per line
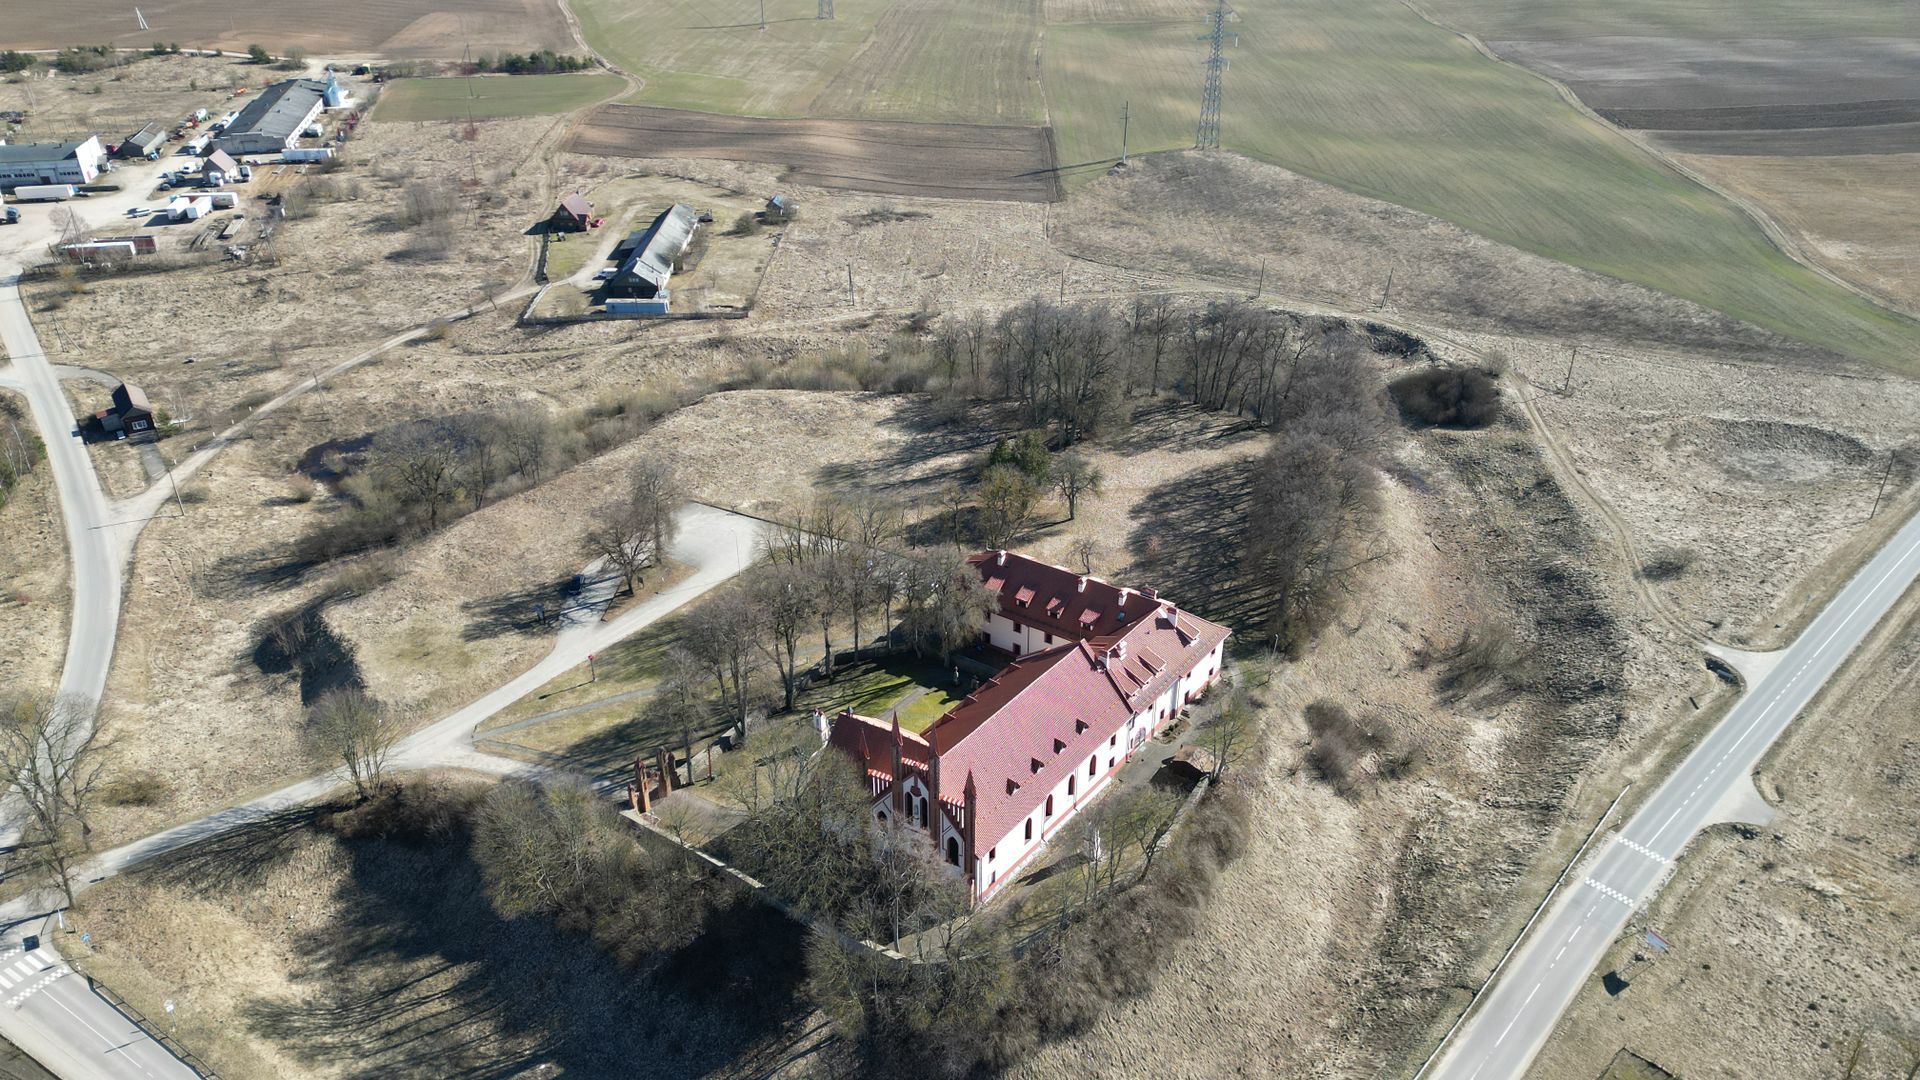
352 730
422 463
945 605
1076 478
724 632
787 599
50 757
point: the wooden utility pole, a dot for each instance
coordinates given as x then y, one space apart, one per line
1125 118
1885 475
1386 293
849 283
1567 383
1261 287
763 14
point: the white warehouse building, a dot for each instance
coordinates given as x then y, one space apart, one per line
51 163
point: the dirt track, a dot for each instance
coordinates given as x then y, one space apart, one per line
953 161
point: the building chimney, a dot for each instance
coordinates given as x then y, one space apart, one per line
1000 558
1083 585
1124 593
1150 593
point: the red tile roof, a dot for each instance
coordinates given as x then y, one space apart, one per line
1020 733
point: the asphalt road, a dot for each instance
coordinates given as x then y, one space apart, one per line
1628 866
83 506
54 1014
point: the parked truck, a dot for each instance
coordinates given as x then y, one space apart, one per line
8 215
225 200
43 192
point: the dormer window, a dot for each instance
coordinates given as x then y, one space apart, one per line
1059 745
1079 726
1012 785
1036 766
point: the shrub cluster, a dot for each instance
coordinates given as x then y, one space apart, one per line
538 62
417 477
1340 744
1453 397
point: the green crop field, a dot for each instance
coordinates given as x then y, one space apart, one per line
1366 95
713 56
493 96
904 60
1363 94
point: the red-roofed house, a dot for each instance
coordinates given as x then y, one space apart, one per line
1100 670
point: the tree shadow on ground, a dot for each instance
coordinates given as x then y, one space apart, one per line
1188 543
1170 424
302 643
238 858
529 610
422 978
903 472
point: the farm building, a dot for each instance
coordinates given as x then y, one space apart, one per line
651 254
1099 670
147 143
130 412
573 214
51 163
219 169
273 121
778 209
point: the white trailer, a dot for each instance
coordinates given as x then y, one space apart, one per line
188 208
297 155
225 200
43 192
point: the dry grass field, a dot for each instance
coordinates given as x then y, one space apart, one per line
1856 214
322 958
932 160
118 102
1793 945
33 580
399 28
494 96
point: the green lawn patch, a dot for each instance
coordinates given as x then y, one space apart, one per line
488 97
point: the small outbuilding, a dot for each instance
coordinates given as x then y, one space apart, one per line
574 214
130 414
149 142
778 209
219 169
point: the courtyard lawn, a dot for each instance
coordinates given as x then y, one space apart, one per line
489 97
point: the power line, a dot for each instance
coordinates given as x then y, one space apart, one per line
1208 135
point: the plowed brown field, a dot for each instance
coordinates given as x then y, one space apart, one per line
954 161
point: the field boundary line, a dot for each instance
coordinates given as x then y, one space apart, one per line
1776 234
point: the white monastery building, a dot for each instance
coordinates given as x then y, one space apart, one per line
1099 669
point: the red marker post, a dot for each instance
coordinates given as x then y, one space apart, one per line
593 673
